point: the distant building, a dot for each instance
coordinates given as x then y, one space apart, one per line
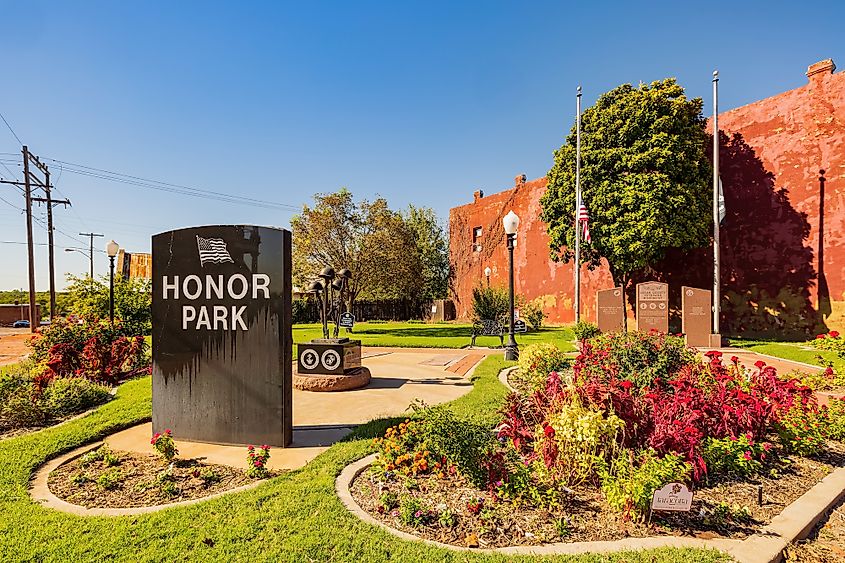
9 313
134 265
783 248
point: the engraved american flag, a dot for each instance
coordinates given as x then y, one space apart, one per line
212 250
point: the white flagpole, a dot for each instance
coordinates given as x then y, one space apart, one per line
578 206
716 257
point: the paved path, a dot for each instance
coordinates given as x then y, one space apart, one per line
399 376
748 358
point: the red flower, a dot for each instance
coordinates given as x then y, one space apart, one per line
820 336
734 359
759 364
625 384
549 431
747 455
713 354
834 333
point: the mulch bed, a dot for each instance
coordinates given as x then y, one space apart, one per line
721 508
826 544
141 480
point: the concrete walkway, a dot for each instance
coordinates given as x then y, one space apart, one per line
399 376
748 358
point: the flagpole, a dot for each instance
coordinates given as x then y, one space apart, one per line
716 257
578 206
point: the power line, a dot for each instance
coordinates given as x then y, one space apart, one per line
129 179
10 129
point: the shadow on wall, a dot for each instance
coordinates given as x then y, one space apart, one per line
767 265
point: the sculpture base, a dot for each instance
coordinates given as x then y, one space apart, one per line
328 356
352 379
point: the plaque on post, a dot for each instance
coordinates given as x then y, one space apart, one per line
696 320
221 320
653 307
610 310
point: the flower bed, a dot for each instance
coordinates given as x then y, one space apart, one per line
109 479
579 458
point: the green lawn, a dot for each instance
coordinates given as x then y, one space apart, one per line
293 517
440 335
797 351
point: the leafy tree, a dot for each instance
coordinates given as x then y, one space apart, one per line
645 180
366 237
433 248
132 300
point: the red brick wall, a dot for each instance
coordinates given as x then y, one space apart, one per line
780 222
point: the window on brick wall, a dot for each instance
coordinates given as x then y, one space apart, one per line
476 239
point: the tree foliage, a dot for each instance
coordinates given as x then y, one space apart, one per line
89 297
433 249
644 176
367 237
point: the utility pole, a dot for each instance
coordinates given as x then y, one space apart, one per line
30 246
50 203
30 180
716 257
91 249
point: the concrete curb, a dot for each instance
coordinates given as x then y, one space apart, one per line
793 523
503 378
40 492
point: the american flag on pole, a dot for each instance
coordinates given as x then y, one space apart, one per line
212 250
584 219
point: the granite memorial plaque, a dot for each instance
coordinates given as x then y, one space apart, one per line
610 309
653 307
696 318
221 318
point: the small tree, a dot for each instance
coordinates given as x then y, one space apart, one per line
87 296
433 248
644 176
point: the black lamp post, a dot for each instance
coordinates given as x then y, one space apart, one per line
487 272
511 224
111 249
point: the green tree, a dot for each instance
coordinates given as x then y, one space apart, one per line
433 248
644 177
132 300
366 237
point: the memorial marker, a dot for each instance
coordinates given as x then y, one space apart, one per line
653 307
696 318
222 346
610 309
673 497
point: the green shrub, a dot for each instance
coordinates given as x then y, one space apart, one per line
23 408
537 361
584 330
737 456
533 313
639 357
629 482
464 443
301 311
582 436
11 382
836 419
92 456
489 303
802 429
208 476
110 479
66 396
412 512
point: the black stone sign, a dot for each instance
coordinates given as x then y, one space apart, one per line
520 326
222 334
347 320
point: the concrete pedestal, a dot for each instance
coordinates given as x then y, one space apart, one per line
330 364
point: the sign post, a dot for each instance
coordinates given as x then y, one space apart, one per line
222 345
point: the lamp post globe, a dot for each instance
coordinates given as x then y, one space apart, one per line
111 249
487 272
511 224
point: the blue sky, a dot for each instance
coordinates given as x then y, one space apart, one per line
421 102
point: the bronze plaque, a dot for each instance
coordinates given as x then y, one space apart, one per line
653 307
697 320
222 334
610 309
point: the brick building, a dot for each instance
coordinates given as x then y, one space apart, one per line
131 265
783 242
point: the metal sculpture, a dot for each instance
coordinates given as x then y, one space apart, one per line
332 291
